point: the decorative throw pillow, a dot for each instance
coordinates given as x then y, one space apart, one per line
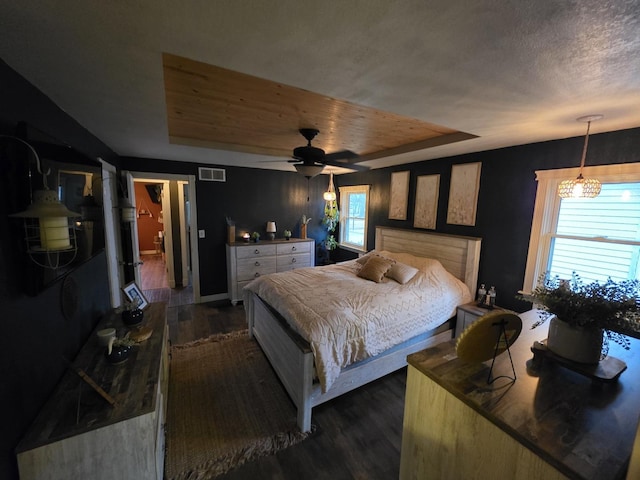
375 268
401 273
363 259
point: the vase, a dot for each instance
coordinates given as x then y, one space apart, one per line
575 343
132 317
118 354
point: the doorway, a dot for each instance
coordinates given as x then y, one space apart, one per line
167 251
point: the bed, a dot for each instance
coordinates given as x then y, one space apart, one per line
292 357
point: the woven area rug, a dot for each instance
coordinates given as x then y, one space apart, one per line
226 407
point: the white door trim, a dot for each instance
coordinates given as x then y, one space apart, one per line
113 245
193 221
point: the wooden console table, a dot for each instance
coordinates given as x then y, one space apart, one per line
79 434
550 423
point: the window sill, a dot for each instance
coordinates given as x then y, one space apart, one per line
349 248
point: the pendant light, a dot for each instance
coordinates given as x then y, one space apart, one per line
581 187
330 194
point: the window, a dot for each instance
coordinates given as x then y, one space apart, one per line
597 238
354 206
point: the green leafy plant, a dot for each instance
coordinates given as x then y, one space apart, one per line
129 305
124 341
331 216
287 234
330 243
255 236
611 306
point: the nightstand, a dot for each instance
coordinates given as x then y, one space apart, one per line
469 313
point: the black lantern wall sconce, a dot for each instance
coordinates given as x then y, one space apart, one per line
49 226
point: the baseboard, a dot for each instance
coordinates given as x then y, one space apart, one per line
214 298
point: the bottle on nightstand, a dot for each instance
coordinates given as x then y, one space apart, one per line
492 296
482 293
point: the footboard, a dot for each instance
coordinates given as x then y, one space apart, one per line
289 356
292 359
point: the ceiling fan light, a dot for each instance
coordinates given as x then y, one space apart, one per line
580 188
309 171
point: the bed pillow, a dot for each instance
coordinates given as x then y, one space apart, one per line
375 268
401 273
363 259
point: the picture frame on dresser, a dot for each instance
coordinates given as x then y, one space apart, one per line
134 294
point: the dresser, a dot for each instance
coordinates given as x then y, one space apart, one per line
551 423
246 261
79 434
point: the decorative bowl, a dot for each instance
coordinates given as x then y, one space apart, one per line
132 317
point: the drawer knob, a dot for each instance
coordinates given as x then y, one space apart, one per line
257 274
293 260
293 249
257 252
257 264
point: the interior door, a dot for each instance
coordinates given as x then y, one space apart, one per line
112 233
135 246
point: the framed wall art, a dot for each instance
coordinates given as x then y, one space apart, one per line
426 207
134 294
399 195
463 194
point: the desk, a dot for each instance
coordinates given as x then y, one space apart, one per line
550 423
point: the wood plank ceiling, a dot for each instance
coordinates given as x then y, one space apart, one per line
210 106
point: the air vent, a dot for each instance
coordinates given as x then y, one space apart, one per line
212 174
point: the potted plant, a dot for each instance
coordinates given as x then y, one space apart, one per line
255 236
330 243
287 234
583 315
119 349
331 216
131 313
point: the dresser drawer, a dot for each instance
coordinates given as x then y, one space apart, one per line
289 262
250 268
248 261
293 247
252 251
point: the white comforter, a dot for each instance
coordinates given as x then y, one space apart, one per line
346 318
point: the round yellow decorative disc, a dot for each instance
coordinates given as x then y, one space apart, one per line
478 342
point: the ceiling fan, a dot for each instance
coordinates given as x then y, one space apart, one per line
310 161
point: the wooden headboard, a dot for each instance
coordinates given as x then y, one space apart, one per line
458 254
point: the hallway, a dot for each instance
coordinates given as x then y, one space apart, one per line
153 275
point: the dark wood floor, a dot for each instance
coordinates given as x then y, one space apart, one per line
357 436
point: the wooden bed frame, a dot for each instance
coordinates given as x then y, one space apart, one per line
291 356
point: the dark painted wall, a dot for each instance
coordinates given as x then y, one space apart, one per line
35 335
249 197
503 221
505 202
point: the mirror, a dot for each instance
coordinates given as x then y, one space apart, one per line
77 180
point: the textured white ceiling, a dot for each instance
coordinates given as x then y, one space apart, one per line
511 72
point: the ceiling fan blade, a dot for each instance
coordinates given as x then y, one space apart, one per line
344 156
351 166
